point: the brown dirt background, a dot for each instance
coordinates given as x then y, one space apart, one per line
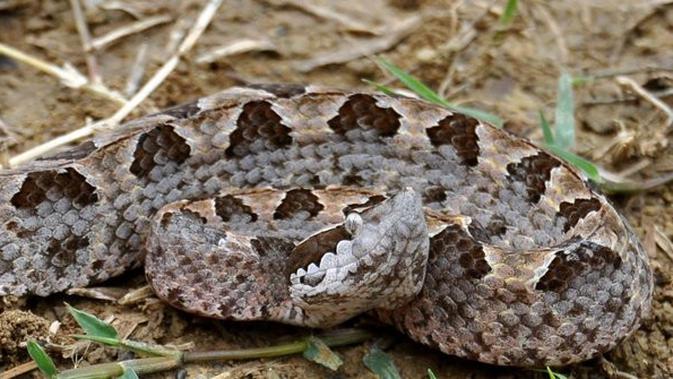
457 48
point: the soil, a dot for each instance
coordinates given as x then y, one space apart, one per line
458 47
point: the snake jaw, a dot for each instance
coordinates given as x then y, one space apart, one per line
376 268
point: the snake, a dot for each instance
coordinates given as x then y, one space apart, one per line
308 206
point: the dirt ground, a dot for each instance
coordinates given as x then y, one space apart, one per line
457 47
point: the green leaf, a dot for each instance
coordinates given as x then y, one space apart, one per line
478 114
102 340
554 375
381 364
42 359
412 83
91 324
431 375
428 94
317 351
546 130
508 14
129 373
564 125
589 168
381 88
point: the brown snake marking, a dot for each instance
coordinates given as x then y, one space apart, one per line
309 206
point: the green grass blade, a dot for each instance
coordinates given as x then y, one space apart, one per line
546 130
412 83
129 373
431 375
381 364
318 352
509 13
381 88
589 168
100 339
564 125
91 324
428 94
478 114
555 375
42 359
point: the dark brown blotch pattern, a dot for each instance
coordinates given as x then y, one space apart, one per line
434 194
568 265
298 200
574 212
70 184
159 146
362 112
534 172
459 131
63 252
260 126
228 206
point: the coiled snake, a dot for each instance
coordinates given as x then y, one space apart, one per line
309 206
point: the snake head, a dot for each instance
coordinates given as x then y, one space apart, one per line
375 259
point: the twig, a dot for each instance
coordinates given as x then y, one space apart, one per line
68 75
18 370
85 36
137 71
644 69
645 94
136 27
663 242
176 35
329 14
660 94
370 47
199 26
235 47
136 295
613 372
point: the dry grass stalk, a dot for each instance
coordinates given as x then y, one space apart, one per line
127 30
18 370
350 23
363 49
137 71
195 32
68 75
85 36
663 242
645 94
236 47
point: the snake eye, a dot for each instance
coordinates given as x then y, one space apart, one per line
353 224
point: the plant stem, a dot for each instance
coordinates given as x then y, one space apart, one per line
335 338
150 365
107 370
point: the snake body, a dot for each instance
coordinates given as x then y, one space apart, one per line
309 206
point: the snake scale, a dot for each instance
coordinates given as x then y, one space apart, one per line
309 206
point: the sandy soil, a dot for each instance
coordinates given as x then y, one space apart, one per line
454 46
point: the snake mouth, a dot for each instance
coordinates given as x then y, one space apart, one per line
340 259
332 267
363 240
